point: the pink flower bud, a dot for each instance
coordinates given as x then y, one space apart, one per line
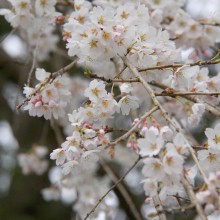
143 130
136 120
129 145
218 175
87 125
96 140
205 197
101 131
60 20
52 104
119 28
38 104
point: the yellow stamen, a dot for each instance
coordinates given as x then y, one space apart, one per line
124 15
93 43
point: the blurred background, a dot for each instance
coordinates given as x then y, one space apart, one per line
20 195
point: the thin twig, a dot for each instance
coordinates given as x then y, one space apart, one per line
216 49
122 70
122 189
187 95
192 197
57 131
123 137
44 133
122 178
210 108
94 76
182 208
32 66
204 21
164 93
158 207
107 129
198 63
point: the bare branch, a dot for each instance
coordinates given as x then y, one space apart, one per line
173 210
57 131
32 66
158 207
122 189
123 137
198 63
173 94
205 21
121 179
213 109
192 197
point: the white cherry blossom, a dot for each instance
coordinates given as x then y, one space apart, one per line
153 169
58 155
150 145
128 103
173 163
213 136
209 160
96 90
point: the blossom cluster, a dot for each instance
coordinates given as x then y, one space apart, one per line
34 161
82 192
35 20
125 45
170 15
79 151
51 99
210 158
192 79
97 35
164 155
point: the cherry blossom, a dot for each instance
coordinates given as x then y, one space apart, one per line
128 103
58 155
150 145
149 85
213 136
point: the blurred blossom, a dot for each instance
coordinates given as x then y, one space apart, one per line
7 140
14 46
8 147
12 95
203 8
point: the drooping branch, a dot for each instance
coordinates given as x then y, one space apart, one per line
177 65
164 113
166 116
158 207
192 197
